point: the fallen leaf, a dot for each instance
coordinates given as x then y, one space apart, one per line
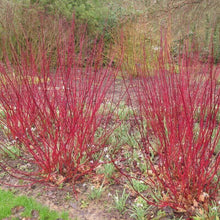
17 209
192 210
165 198
60 179
206 206
150 173
34 214
195 203
180 210
203 196
57 179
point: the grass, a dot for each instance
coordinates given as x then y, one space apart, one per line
10 202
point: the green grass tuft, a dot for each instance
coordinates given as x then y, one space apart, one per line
8 201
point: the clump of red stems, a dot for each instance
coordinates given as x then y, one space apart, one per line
56 115
177 118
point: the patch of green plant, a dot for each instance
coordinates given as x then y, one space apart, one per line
124 111
121 136
120 201
139 158
217 149
108 170
10 151
84 204
160 214
139 186
139 209
96 192
8 201
68 196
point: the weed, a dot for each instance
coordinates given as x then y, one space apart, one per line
68 196
160 214
124 111
84 204
11 151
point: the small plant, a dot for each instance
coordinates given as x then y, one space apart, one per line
120 201
96 192
139 209
109 170
84 204
11 151
124 112
68 196
139 186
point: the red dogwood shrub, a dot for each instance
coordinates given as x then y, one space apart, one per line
177 117
56 116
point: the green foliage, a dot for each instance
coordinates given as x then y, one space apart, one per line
22 25
98 15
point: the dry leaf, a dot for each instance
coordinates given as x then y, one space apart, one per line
203 196
165 198
98 178
206 207
60 179
192 210
35 214
195 203
181 210
17 209
57 179
150 173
